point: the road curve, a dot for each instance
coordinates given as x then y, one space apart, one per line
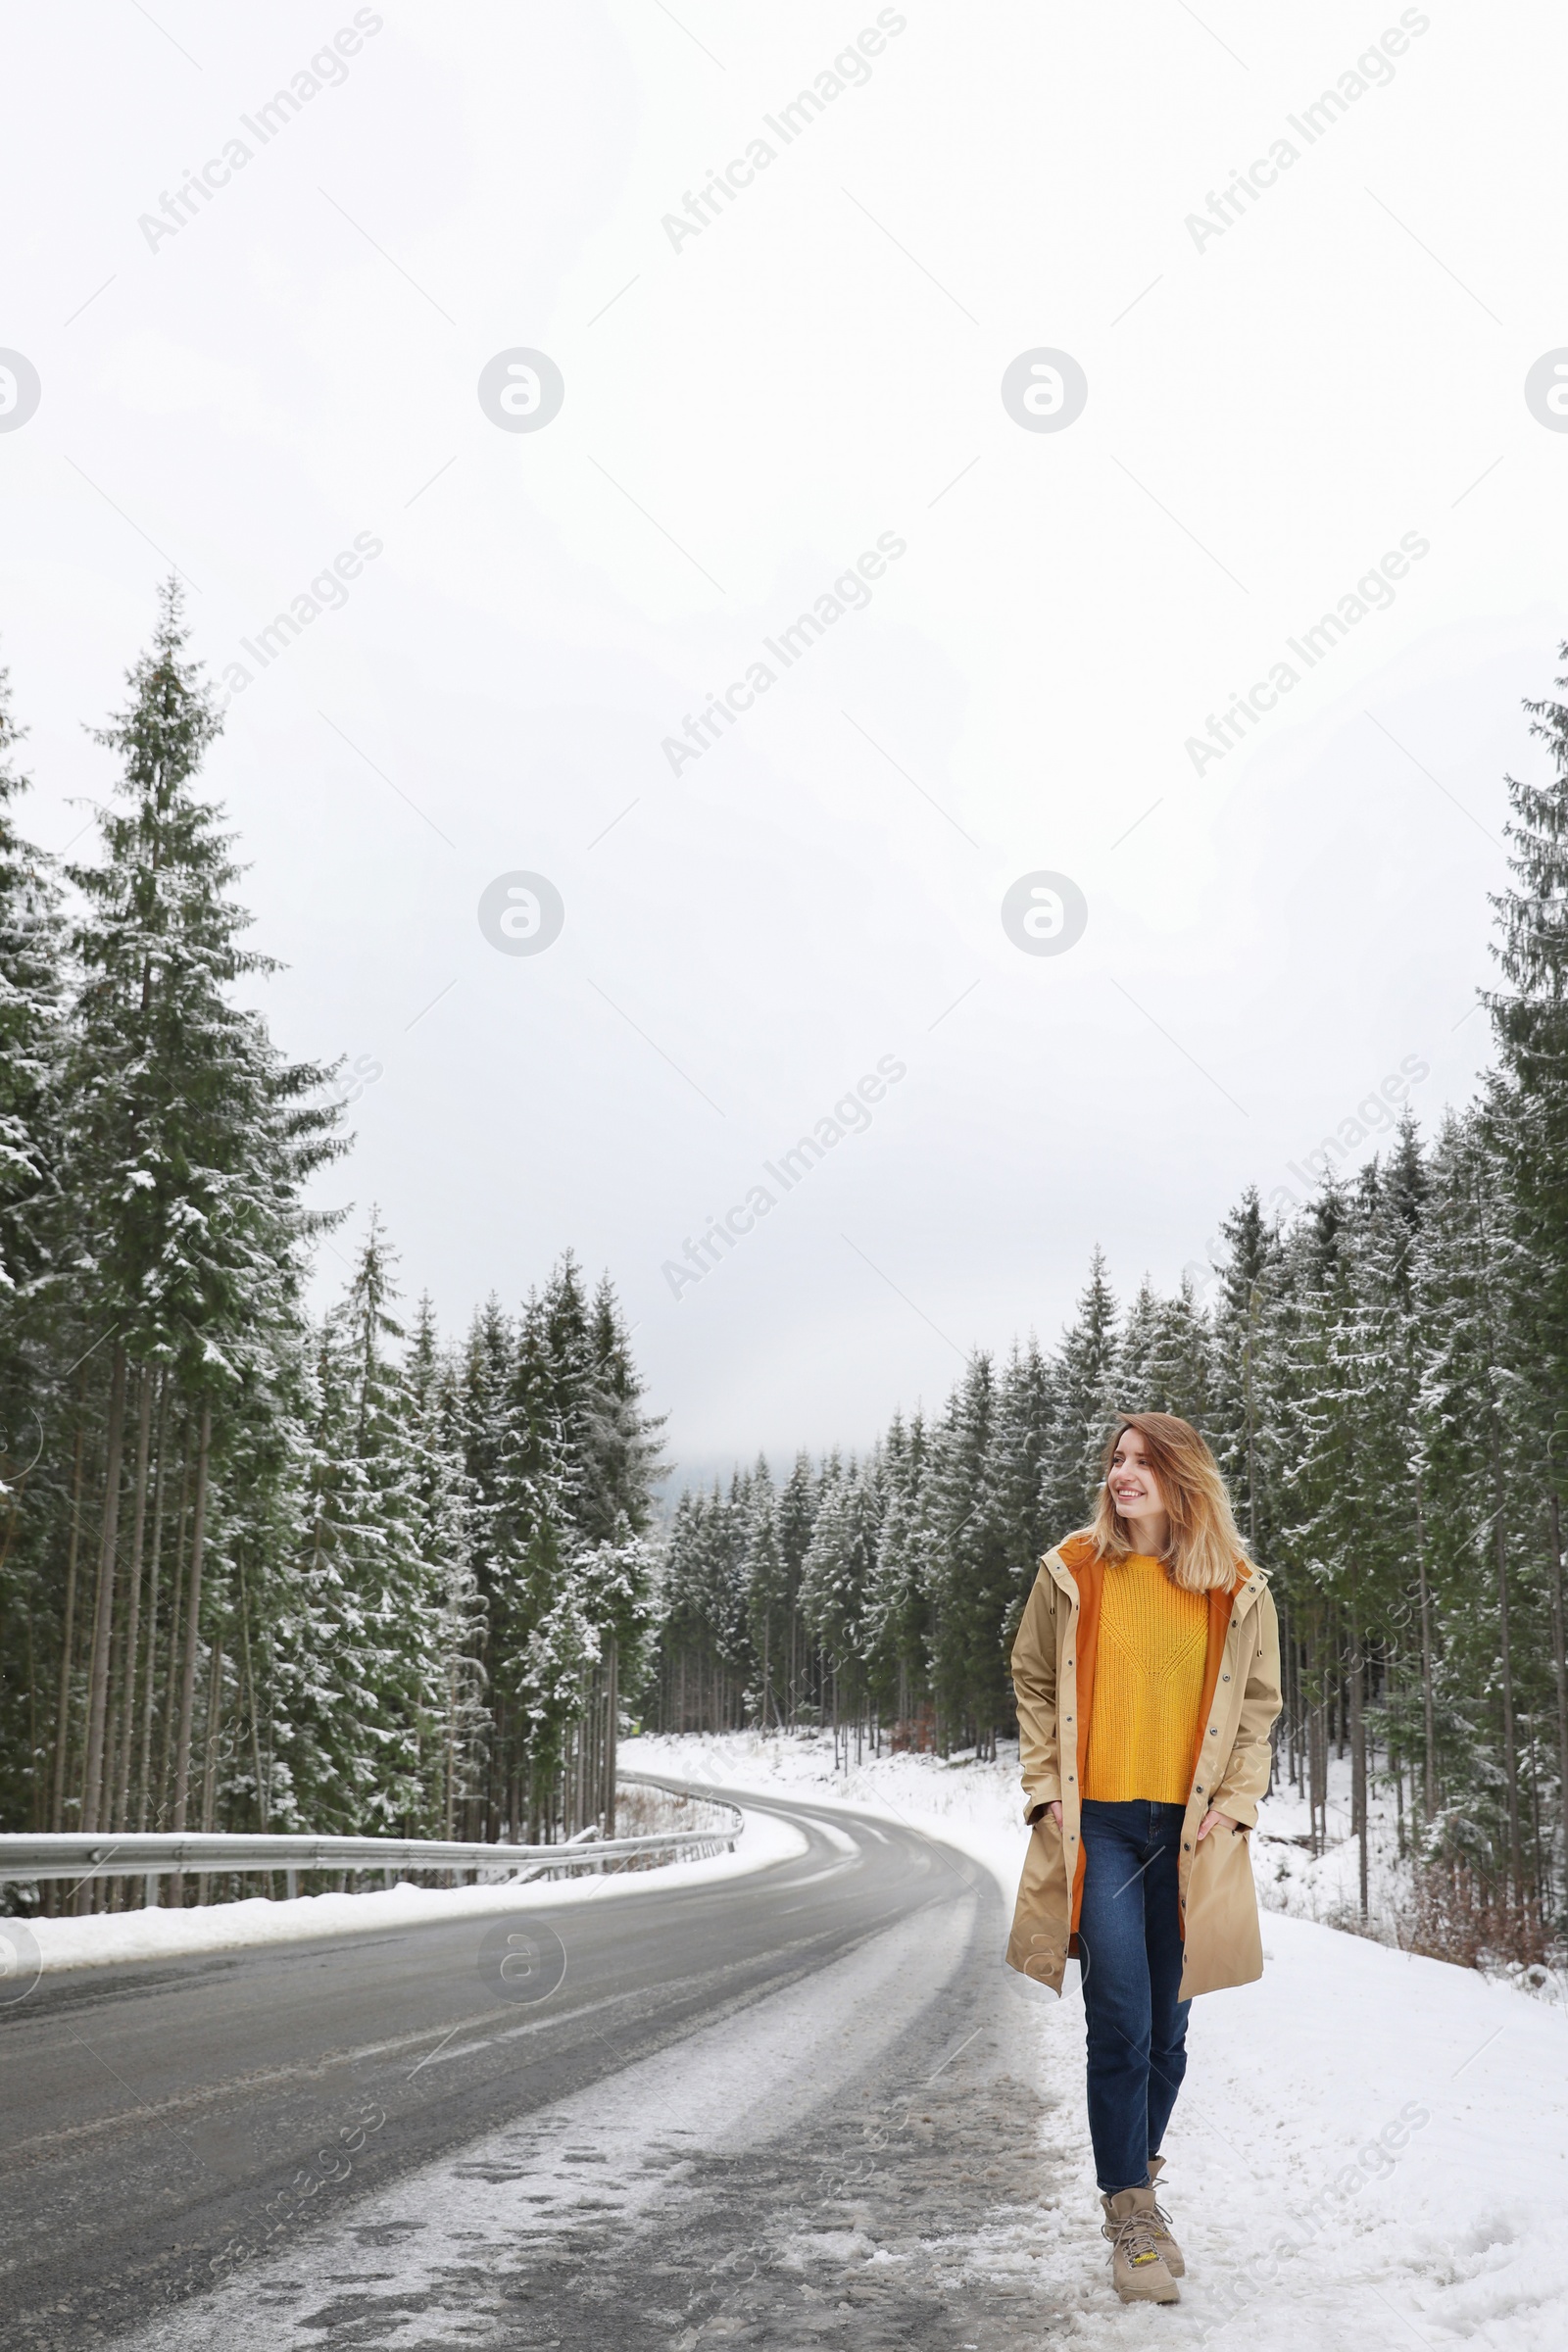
393 2138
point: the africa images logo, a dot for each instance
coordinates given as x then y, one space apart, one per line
1045 390
1045 913
1545 390
522 390
521 913
19 390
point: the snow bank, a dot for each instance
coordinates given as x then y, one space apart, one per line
121 1936
1324 1886
1370 2147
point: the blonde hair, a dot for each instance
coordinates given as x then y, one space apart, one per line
1203 1550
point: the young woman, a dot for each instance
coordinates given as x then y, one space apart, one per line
1146 1669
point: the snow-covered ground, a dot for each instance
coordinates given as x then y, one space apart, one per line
1371 2147
1325 1886
141 1935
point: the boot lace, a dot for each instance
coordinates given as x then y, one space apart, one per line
1138 2233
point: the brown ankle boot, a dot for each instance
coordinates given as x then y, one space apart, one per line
1161 2225
1137 2264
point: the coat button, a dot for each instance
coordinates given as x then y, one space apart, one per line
1214 1731
1224 1678
1187 1847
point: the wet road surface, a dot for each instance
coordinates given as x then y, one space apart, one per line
783 2108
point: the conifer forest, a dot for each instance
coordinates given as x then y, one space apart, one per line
268 1569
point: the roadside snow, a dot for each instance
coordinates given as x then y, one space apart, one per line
121 1936
1370 2147
1326 1885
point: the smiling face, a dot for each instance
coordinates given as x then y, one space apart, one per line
1133 1487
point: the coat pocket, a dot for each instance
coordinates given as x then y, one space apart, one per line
1224 1942
1038 1944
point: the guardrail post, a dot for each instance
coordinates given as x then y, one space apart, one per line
150 1892
291 1879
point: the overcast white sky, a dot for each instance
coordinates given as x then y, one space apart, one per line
1272 408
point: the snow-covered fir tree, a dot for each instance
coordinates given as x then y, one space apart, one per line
260 1569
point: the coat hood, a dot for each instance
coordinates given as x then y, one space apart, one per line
1074 1551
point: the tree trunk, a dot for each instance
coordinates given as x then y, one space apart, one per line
1535 1802
214 1725
262 1789
166 1759
1318 1741
150 1682
1358 1790
1251 1425
104 1616
120 1816
611 1736
1510 1758
449 1761
1341 1713
1559 1667
193 1611
1428 1781
69 1631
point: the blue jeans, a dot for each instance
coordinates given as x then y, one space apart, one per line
1130 1955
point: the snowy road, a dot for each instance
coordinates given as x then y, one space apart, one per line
774 2101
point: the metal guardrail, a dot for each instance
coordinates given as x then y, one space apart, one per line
152 1856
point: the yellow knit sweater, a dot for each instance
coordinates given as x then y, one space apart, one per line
1148 1685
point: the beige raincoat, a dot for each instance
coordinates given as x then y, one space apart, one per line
1054 1676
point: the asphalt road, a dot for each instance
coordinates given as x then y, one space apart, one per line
678 2116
